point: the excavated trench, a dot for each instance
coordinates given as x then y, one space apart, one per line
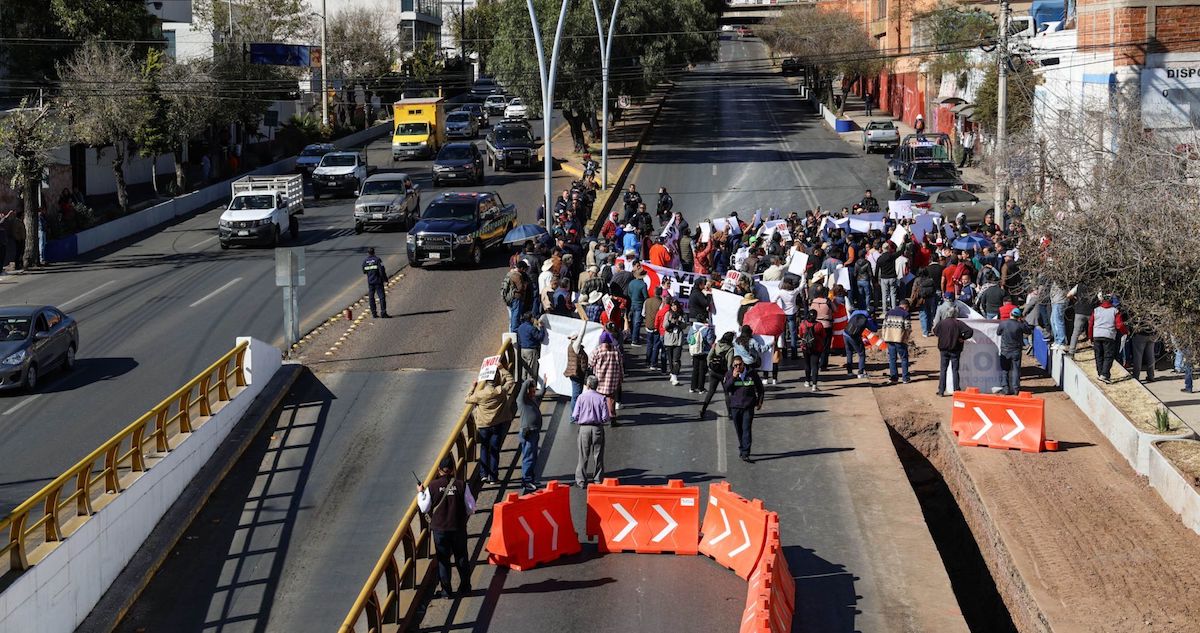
992 596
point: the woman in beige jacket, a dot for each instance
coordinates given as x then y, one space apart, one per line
492 411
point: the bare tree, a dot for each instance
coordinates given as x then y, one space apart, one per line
105 92
28 135
189 90
362 49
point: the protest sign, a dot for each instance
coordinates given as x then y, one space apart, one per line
771 288
553 360
898 236
487 369
677 282
866 222
735 227
922 224
732 277
798 264
706 230
725 310
842 277
900 209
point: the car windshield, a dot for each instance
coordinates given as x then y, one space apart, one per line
379 187
494 99
14 328
514 102
880 125
252 202
449 211
458 117
934 173
454 153
512 135
412 128
339 160
314 151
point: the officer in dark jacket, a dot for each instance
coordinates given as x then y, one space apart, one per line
376 274
448 502
665 204
744 394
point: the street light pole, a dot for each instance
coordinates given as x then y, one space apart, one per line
547 93
1001 168
324 61
605 55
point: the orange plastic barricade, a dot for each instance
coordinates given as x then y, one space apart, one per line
1000 421
533 529
644 519
771 590
872 340
734 529
840 318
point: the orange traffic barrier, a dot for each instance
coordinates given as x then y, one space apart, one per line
644 519
872 340
532 529
1000 421
734 529
840 318
771 590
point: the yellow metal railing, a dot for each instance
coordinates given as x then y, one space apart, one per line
391 590
37 526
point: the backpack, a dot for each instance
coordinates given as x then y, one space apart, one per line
696 342
808 339
717 363
581 369
508 290
856 325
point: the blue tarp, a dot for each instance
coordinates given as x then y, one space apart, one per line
1044 11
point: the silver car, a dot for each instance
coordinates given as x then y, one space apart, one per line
33 341
949 203
387 200
460 124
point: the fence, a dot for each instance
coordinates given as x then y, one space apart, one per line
390 592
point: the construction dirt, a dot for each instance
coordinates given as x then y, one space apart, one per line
1075 540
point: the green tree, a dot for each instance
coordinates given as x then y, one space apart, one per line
153 136
108 20
191 106
1021 84
28 135
954 31
256 20
480 23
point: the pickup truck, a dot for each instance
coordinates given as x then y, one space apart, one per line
510 146
261 209
458 227
928 177
343 172
933 147
387 200
311 156
880 133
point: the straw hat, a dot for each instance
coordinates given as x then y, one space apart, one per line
749 299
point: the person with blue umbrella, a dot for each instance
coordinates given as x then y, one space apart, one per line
523 233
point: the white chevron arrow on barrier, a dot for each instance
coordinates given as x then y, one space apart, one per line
671 523
720 537
744 546
528 532
1020 425
553 531
987 424
631 523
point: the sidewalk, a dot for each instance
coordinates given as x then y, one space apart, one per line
1167 387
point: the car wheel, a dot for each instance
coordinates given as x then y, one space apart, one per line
294 226
224 246
416 263
358 228
69 358
275 237
477 254
31 377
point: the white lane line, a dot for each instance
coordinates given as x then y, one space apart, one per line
63 305
203 242
714 169
215 292
17 406
722 460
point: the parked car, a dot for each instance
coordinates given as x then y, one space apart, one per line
928 177
33 341
343 172
458 227
790 66
516 109
477 111
880 133
495 104
949 202
460 124
458 162
511 146
311 156
387 200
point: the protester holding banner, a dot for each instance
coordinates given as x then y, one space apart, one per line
492 413
529 344
638 293
700 301
787 300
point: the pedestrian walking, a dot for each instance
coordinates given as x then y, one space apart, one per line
823 308
700 343
491 413
665 204
1104 327
530 336
717 364
675 325
578 367
786 300
449 503
868 103
638 293
649 316
591 413
896 332
609 369
951 333
377 278
968 149
1012 332
529 408
858 322
744 395
812 348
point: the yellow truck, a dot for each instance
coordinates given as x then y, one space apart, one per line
420 127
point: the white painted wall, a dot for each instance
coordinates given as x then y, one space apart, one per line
100 179
58 593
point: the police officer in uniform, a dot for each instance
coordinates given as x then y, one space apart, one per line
665 204
448 502
376 279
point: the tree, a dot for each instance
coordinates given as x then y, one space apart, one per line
106 102
256 20
153 136
480 22
1021 84
954 31
361 49
28 135
191 106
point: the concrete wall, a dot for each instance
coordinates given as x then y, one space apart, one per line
72 246
58 593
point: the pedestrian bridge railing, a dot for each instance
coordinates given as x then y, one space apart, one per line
389 597
39 525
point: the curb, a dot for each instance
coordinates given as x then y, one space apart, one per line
133 580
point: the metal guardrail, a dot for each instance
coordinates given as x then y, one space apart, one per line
39 525
390 591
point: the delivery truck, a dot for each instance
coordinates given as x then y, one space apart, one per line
262 209
420 127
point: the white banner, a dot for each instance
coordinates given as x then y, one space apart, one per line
678 282
866 222
900 209
981 357
725 309
798 264
553 361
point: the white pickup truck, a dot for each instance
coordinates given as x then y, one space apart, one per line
880 133
262 209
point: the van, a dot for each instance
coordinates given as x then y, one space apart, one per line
420 127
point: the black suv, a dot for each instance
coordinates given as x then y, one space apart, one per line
460 162
457 227
790 66
511 146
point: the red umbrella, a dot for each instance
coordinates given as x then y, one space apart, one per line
766 319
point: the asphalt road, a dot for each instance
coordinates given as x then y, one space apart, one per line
156 310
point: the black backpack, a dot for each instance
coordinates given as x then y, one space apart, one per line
808 338
856 325
717 363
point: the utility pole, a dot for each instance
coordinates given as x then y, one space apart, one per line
462 30
605 55
547 93
1001 168
324 62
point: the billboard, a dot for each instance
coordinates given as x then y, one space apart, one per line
281 55
1171 97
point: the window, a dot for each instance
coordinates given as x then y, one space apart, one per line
955 195
40 324
53 317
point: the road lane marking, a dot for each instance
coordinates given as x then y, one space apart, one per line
63 305
215 292
203 242
714 169
17 406
722 460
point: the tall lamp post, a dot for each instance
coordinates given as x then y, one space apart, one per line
547 92
324 57
605 55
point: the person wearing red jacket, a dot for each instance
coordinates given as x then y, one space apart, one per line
660 360
812 344
1007 308
1104 326
700 264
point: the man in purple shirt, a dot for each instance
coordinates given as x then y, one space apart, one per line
591 414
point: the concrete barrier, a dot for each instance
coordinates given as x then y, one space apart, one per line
57 593
1174 488
72 246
